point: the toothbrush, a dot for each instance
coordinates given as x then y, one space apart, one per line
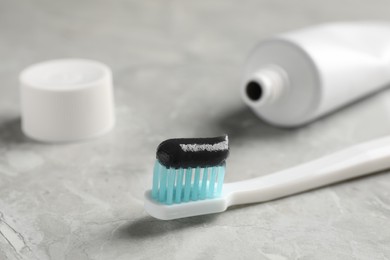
352 162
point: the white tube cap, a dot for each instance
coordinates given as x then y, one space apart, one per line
66 100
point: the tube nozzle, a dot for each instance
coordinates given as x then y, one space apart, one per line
265 86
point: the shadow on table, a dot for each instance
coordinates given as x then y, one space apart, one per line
11 132
242 123
151 227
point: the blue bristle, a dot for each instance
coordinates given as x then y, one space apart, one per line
156 178
163 184
203 188
187 185
195 187
221 176
171 182
213 176
173 186
179 185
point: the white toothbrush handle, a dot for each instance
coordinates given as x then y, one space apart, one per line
352 162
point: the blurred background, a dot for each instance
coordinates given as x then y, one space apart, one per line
177 67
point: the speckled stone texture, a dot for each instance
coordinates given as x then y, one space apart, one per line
176 68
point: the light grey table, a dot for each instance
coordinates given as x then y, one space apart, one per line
176 69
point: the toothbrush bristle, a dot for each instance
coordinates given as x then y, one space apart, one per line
171 185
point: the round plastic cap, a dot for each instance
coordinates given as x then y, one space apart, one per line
66 100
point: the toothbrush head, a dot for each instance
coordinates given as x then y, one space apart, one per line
188 170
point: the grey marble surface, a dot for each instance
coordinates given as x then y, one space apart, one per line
176 68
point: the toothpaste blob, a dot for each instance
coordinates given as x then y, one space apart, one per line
193 152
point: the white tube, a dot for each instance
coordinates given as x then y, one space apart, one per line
296 77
